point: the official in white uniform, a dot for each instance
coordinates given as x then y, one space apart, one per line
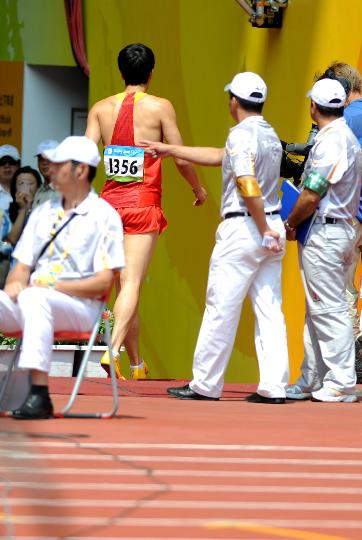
60 289
249 248
331 185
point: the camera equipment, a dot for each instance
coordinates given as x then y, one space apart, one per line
264 13
293 168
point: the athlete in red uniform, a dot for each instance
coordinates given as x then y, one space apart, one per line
138 203
122 121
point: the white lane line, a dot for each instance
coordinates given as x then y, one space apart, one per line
185 522
201 447
184 473
189 505
200 488
134 458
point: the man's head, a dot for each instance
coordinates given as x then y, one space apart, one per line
73 162
136 63
247 91
327 99
43 163
9 164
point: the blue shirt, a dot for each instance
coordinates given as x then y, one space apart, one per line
353 116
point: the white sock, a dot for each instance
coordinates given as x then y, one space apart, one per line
115 353
140 366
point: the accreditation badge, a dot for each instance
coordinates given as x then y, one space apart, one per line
124 163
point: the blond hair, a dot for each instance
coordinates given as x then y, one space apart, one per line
340 69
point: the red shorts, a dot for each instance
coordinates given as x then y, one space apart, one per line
142 220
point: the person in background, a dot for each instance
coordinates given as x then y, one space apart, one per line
46 191
24 185
353 116
331 186
9 164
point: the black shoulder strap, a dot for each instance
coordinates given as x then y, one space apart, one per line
53 238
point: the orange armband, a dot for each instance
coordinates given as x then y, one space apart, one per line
248 186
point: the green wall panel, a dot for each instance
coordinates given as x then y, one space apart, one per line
35 31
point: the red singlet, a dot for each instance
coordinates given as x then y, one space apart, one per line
138 203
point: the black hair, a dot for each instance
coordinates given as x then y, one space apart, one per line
248 106
14 207
330 111
329 74
136 62
92 171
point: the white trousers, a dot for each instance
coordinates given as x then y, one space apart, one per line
38 312
329 354
238 267
351 291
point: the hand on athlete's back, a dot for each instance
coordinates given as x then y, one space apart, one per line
156 149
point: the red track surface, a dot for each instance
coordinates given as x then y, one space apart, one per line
165 468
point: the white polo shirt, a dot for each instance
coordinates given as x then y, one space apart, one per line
337 156
93 240
5 198
252 149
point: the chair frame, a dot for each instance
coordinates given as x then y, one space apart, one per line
75 336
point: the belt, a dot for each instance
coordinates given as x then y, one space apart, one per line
246 214
329 220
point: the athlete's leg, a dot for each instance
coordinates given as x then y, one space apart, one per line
131 340
138 251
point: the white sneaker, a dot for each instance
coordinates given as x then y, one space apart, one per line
294 391
332 395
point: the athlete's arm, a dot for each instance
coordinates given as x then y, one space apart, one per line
93 130
172 135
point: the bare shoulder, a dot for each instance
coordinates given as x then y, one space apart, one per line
105 105
157 104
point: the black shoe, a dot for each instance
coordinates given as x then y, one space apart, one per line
35 407
257 398
185 392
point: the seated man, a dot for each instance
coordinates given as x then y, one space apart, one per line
60 275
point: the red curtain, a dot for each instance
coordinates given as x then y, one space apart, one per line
74 14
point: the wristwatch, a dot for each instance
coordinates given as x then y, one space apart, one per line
288 228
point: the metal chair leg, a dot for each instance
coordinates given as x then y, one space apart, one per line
7 375
65 411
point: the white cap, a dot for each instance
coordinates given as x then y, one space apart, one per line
10 151
248 86
328 93
75 148
48 144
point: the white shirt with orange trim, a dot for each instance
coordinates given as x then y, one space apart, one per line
252 149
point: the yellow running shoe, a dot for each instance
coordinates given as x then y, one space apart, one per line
105 363
139 372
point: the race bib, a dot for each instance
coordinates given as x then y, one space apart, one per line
124 163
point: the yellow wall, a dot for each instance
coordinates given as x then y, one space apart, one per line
199 46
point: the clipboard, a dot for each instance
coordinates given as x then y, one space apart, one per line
290 195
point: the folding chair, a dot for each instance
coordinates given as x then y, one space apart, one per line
71 336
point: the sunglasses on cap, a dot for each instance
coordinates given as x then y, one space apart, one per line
7 161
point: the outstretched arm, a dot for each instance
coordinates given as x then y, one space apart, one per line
201 155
